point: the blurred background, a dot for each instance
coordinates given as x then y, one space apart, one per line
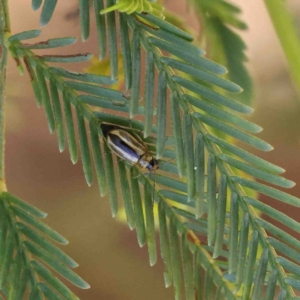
106 250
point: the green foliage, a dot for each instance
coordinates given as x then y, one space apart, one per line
199 195
220 21
26 253
138 6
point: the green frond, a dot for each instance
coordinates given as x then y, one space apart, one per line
200 195
24 235
135 6
218 17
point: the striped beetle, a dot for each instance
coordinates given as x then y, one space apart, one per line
128 147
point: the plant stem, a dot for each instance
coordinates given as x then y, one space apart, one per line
288 37
4 28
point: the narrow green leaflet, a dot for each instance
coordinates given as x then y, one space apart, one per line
177 134
138 208
52 43
45 98
177 197
70 127
199 175
47 11
112 38
175 258
212 201
95 90
84 11
271 286
98 158
233 234
250 265
101 28
126 53
150 227
187 268
208 284
221 212
7 259
84 146
36 4
66 58
126 194
136 74
243 245
111 181
57 115
189 156
161 115
108 104
149 94
198 284
165 245
15 275
85 77
25 35
260 275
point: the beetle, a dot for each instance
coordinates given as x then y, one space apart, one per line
128 147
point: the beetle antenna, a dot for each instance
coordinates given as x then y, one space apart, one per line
166 162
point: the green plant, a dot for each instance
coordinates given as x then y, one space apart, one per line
209 191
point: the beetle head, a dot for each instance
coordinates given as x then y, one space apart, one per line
153 165
106 128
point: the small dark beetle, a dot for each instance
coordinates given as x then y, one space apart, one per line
128 147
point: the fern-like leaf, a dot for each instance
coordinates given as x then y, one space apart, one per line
218 17
197 204
26 254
